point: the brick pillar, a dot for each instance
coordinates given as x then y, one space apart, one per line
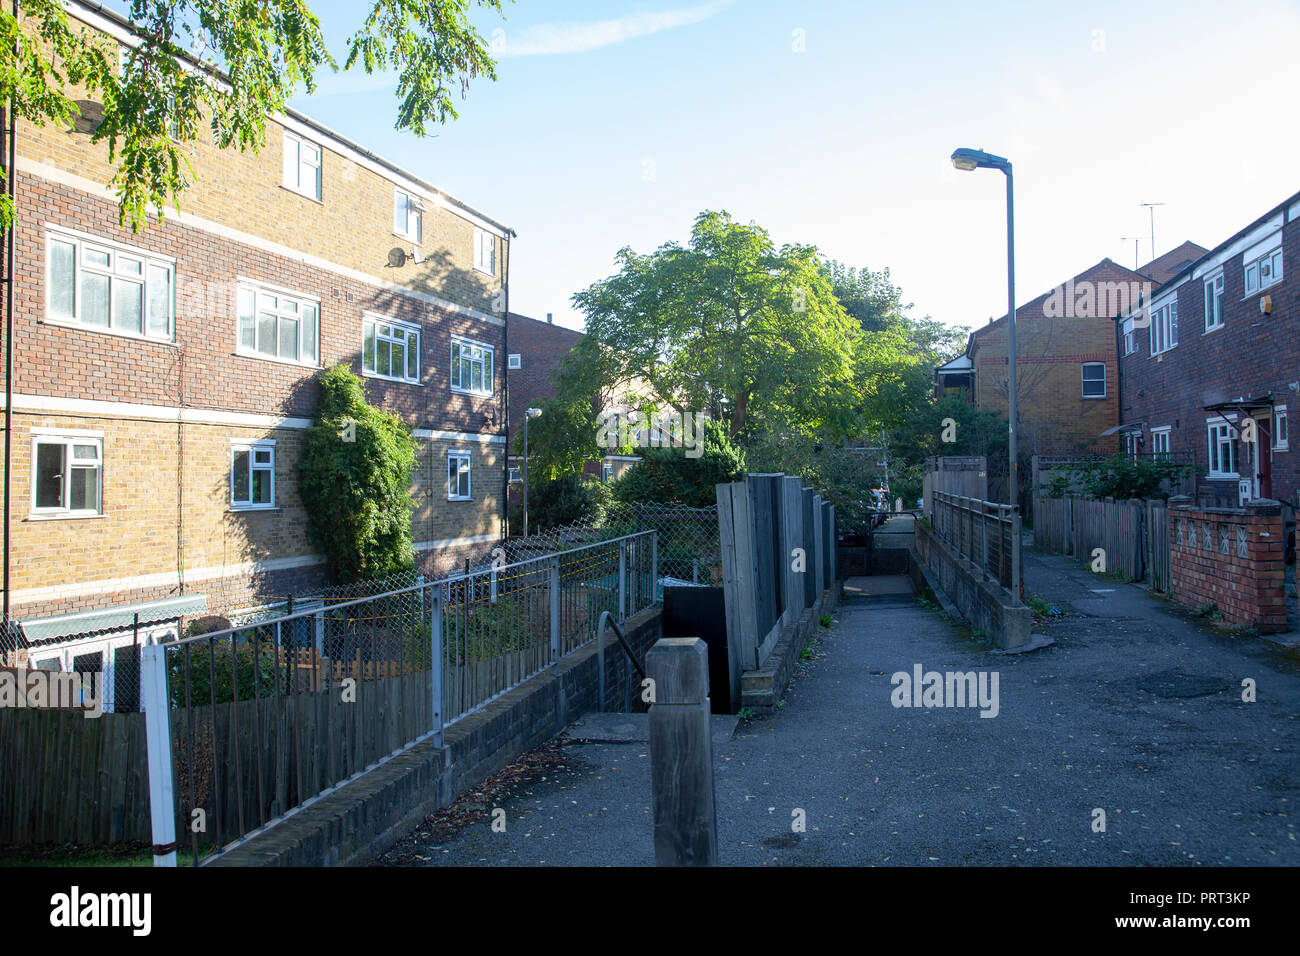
1266 550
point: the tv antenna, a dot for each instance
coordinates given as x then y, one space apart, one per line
1151 206
1136 261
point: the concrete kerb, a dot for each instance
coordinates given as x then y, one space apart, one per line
761 689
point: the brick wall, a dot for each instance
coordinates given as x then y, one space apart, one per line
1232 559
541 347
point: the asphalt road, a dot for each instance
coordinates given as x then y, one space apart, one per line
1133 711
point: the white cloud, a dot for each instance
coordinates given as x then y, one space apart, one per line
548 39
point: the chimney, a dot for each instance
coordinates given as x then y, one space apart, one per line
549 319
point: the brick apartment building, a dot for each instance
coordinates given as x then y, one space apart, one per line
1066 362
1212 357
163 380
537 350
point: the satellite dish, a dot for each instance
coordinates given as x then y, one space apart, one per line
397 257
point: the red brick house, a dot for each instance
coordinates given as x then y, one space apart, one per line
1210 363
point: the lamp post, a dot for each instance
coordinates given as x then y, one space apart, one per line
528 416
967 160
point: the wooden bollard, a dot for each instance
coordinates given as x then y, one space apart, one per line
681 754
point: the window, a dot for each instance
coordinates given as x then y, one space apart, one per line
302 166
1130 342
514 360
273 324
458 488
514 474
1094 379
408 216
1222 448
252 474
1160 442
1214 302
471 367
1280 437
1164 327
391 350
485 251
67 474
104 286
607 471
1264 271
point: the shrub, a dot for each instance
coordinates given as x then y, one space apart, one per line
666 475
569 499
354 479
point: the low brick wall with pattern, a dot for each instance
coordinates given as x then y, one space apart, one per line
1231 558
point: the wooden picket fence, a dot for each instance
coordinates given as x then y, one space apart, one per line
1127 537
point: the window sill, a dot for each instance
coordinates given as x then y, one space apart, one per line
1281 447
1230 477
1214 328
388 378
410 239
1262 290
299 192
484 272
252 509
466 498
273 358
465 391
63 517
104 330
1090 398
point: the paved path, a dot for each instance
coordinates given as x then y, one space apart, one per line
1132 710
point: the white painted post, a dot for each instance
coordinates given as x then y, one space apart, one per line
436 662
162 807
555 614
654 565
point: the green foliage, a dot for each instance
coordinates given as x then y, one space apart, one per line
267 53
667 475
569 499
1120 477
354 479
215 666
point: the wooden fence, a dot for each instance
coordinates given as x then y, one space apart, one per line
1129 537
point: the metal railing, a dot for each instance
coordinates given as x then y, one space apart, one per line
986 533
256 721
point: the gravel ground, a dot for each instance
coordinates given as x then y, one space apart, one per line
1134 710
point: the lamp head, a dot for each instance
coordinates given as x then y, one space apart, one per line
968 159
533 412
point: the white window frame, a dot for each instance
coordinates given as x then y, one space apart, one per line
1161 439
514 361
116 271
487 357
485 251
1254 269
1214 301
1084 380
606 472
515 476
460 454
67 439
252 446
409 206
1221 434
1164 326
1281 436
1130 342
293 172
262 293
410 342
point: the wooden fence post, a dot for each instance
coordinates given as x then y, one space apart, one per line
681 754
157 712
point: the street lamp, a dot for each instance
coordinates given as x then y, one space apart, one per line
529 414
967 160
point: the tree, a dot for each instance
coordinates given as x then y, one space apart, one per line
668 475
727 324
355 479
224 64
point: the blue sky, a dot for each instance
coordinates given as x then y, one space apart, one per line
1100 106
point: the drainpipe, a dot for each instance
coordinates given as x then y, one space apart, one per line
505 391
10 131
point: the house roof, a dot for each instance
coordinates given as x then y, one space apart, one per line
1163 268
